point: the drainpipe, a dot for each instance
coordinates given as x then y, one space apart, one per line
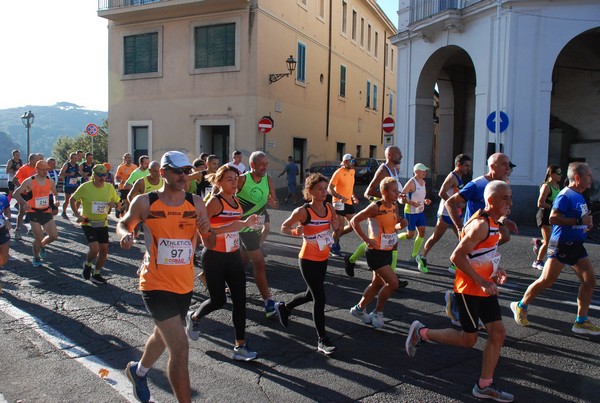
384 87
328 109
498 77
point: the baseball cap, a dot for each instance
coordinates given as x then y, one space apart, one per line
107 166
99 169
175 159
420 167
511 165
41 164
347 157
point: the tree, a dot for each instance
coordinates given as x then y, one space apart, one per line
64 146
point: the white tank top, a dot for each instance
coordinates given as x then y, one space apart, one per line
417 195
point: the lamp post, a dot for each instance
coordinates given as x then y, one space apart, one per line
27 120
291 65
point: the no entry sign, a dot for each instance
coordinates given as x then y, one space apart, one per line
388 125
265 124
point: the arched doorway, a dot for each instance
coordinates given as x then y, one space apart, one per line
445 111
575 100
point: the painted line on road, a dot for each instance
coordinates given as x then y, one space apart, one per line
115 378
574 303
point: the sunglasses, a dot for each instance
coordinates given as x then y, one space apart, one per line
179 171
557 172
100 175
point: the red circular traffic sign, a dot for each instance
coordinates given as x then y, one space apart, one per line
388 125
265 125
91 129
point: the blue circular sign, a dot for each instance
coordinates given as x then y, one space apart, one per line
491 122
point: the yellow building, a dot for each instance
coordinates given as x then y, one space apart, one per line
197 76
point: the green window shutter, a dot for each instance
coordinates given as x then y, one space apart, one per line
215 46
140 53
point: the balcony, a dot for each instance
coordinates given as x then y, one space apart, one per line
422 9
110 4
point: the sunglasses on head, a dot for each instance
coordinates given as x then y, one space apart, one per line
179 171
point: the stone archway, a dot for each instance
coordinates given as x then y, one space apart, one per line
445 110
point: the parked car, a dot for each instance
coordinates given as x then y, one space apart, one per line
327 168
365 169
3 179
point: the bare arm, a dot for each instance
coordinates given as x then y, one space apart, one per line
23 187
373 188
544 191
299 215
272 199
209 238
558 218
138 211
448 184
138 188
452 205
370 211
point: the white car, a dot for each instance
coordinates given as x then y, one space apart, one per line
3 179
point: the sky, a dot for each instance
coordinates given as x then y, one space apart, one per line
56 51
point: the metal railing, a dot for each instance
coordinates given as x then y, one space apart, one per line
421 9
110 4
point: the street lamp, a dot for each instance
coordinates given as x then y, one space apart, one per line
27 120
291 65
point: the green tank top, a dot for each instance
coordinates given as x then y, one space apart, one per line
253 196
553 193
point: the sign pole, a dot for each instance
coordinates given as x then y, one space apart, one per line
265 143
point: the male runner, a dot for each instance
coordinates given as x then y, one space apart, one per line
25 172
236 162
86 167
140 172
71 172
124 170
341 187
153 181
12 166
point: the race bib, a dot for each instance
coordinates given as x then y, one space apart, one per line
260 222
324 239
73 181
207 192
495 262
42 202
99 207
174 251
388 241
338 205
232 241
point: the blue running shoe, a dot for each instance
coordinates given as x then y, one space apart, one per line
451 309
37 262
336 249
43 253
243 353
140 385
270 308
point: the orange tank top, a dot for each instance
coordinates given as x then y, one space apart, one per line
480 259
316 236
40 195
229 241
382 226
170 233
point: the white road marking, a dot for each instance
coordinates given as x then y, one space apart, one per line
115 378
574 303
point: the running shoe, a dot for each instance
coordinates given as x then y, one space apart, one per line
492 392
402 283
360 314
18 235
37 262
520 314
324 346
270 308
452 269
140 384
451 309
586 328
64 215
538 264
98 279
349 266
376 319
414 338
43 253
242 353
87 271
282 313
535 245
192 327
422 264
336 249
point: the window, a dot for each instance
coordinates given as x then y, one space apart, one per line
340 150
214 46
376 54
354 21
141 53
385 55
362 32
343 81
140 141
374 97
358 151
301 65
369 38
392 59
391 111
344 17
368 103
321 8
372 151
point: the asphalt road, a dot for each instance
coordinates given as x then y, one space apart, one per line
57 331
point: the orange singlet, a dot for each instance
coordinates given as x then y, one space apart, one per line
170 233
382 227
230 241
480 259
40 195
316 236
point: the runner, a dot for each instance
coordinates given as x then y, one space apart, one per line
382 217
236 161
393 157
110 178
312 222
475 285
172 219
452 184
222 263
414 208
12 166
548 192
153 181
71 172
26 171
5 225
341 187
86 167
205 188
139 172
97 197
255 192
39 212
570 219
124 170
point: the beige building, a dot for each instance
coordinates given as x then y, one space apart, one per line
195 75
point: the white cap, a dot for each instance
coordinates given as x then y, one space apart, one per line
347 157
420 167
175 159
